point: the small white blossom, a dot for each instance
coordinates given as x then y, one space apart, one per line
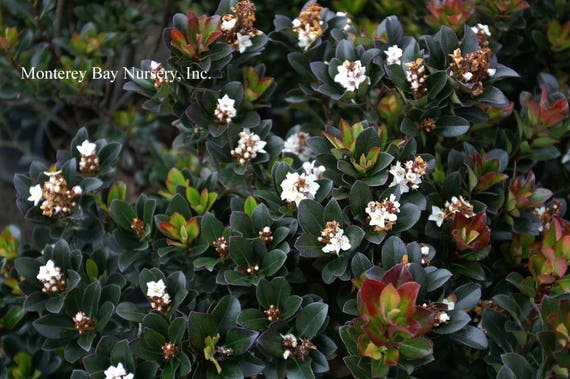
424 250
314 170
286 354
225 110
86 148
157 289
467 76
117 372
79 316
393 55
436 215
481 28
154 65
76 191
244 41
228 25
450 304
306 35
290 339
49 271
442 318
297 144
409 175
491 71
334 239
297 187
248 147
351 74
383 215
36 194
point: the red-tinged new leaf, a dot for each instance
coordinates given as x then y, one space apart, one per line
169 230
408 295
389 302
397 275
370 295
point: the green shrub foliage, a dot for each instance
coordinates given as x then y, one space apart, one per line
324 195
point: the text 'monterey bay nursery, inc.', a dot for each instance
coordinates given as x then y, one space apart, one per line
98 73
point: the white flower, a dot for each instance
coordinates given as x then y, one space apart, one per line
383 215
442 318
225 110
36 194
337 243
48 272
297 144
228 25
351 75
306 35
436 215
467 76
118 372
154 65
297 187
76 191
481 28
290 339
248 146
86 148
399 177
313 170
393 55
79 316
408 176
491 71
244 41
156 289
296 23
286 354
424 250
450 304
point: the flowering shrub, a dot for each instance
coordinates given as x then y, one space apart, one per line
336 197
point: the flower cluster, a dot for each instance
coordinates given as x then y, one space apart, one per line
159 298
457 205
393 55
52 278
221 246
237 27
89 162
416 76
296 187
137 225
351 74
334 239
298 348
314 169
248 146
308 25
272 313
472 69
409 176
546 213
383 215
58 199
83 323
117 372
169 350
225 110
298 144
427 124
265 234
